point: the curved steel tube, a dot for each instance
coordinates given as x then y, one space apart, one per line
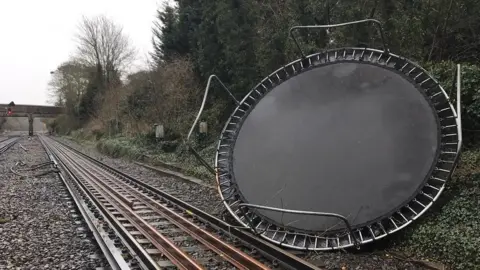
382 35
308 213
205 99
459 108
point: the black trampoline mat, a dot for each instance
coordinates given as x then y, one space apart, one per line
349 138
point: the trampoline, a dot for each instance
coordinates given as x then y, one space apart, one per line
362 134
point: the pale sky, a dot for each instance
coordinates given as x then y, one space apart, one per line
36 36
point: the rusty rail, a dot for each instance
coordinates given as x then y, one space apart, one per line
226 251
167 247
102 182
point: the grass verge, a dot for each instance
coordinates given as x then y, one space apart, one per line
141 150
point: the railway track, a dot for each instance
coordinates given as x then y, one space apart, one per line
140 227
7 143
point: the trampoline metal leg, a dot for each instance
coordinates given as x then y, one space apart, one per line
309 213
187 141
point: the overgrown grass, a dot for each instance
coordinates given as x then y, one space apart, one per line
141 151
451 232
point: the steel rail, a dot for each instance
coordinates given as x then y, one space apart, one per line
162 243
226 251
136 250
268 250
6 144
114 259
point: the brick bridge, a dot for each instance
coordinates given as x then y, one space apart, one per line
36 110
31 112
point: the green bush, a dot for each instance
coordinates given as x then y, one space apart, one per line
119 147
451 233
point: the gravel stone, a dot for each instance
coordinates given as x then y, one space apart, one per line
209 201
37 230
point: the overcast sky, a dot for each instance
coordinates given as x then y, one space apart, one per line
38 35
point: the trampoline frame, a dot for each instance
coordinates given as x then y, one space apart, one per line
247 215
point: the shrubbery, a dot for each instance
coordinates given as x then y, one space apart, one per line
450 233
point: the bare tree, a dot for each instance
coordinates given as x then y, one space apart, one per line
102 44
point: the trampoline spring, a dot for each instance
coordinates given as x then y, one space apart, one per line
413 211
234 203
371 231
382 227
441 170
338 241
278 77
400 213
408 73
424 81
361 236
449 135
427 195
449 126
264 87
401 69
336 56
445 161
301 64
252 98
370 57
438 179
442 110
419 74
363 53
309 61
451 143
258 92
248 105
388 60
344 53
353 54
436 94
271 82
258 225
293 68
224 175
242 110
432 187
275 233
284 237
393 222
416 201
380 57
